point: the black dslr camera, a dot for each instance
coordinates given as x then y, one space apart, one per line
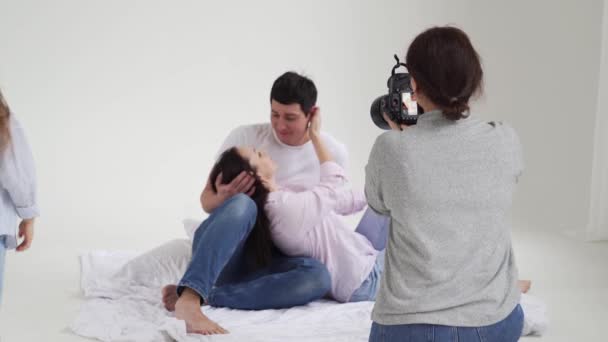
398 104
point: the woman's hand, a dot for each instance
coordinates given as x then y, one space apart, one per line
26 231
314 125
392 124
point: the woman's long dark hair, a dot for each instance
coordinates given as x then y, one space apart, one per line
259 244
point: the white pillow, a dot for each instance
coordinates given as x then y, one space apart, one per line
158 267
162 265
190 226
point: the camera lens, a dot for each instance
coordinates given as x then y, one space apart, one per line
378 107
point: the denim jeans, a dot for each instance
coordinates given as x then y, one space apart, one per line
507 330
218 270
375 228
369 288
2 261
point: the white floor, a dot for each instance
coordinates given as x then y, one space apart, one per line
41 294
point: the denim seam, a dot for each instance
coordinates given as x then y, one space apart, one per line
481 339
210 295
194 288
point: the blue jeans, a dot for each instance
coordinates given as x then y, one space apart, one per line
375 228
369 288
218 271
2 260
507 330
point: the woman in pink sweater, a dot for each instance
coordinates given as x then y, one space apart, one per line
309 223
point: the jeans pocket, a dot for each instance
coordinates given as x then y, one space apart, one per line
507 330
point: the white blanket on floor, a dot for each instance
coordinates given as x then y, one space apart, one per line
123 303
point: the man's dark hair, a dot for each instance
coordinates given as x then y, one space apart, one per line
292 88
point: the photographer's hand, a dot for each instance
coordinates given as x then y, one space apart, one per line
392 124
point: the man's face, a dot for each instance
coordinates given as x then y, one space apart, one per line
289 122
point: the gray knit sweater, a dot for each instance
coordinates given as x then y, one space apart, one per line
447 186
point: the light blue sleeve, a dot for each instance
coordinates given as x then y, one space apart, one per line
18 174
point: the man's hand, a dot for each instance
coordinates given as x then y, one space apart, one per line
242 183
26 231
392 124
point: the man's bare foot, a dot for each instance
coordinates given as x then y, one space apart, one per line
524 285
170 297
188 309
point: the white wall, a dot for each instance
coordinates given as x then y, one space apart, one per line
598 214
125 102
541 60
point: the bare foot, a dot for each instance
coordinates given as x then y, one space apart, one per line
524 285
170 297
188 309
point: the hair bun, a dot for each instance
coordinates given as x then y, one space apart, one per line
456 110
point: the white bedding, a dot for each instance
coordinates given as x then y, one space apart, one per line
123 303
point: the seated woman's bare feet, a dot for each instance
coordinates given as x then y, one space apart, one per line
170 297
524 285
188 309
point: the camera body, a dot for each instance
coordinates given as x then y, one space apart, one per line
398 103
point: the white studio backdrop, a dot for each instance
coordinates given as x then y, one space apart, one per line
126 102
598 214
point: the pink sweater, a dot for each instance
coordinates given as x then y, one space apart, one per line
308 223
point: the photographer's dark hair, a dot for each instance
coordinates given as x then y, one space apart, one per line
259 244
292 88
446 68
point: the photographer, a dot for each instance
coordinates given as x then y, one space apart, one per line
447 185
